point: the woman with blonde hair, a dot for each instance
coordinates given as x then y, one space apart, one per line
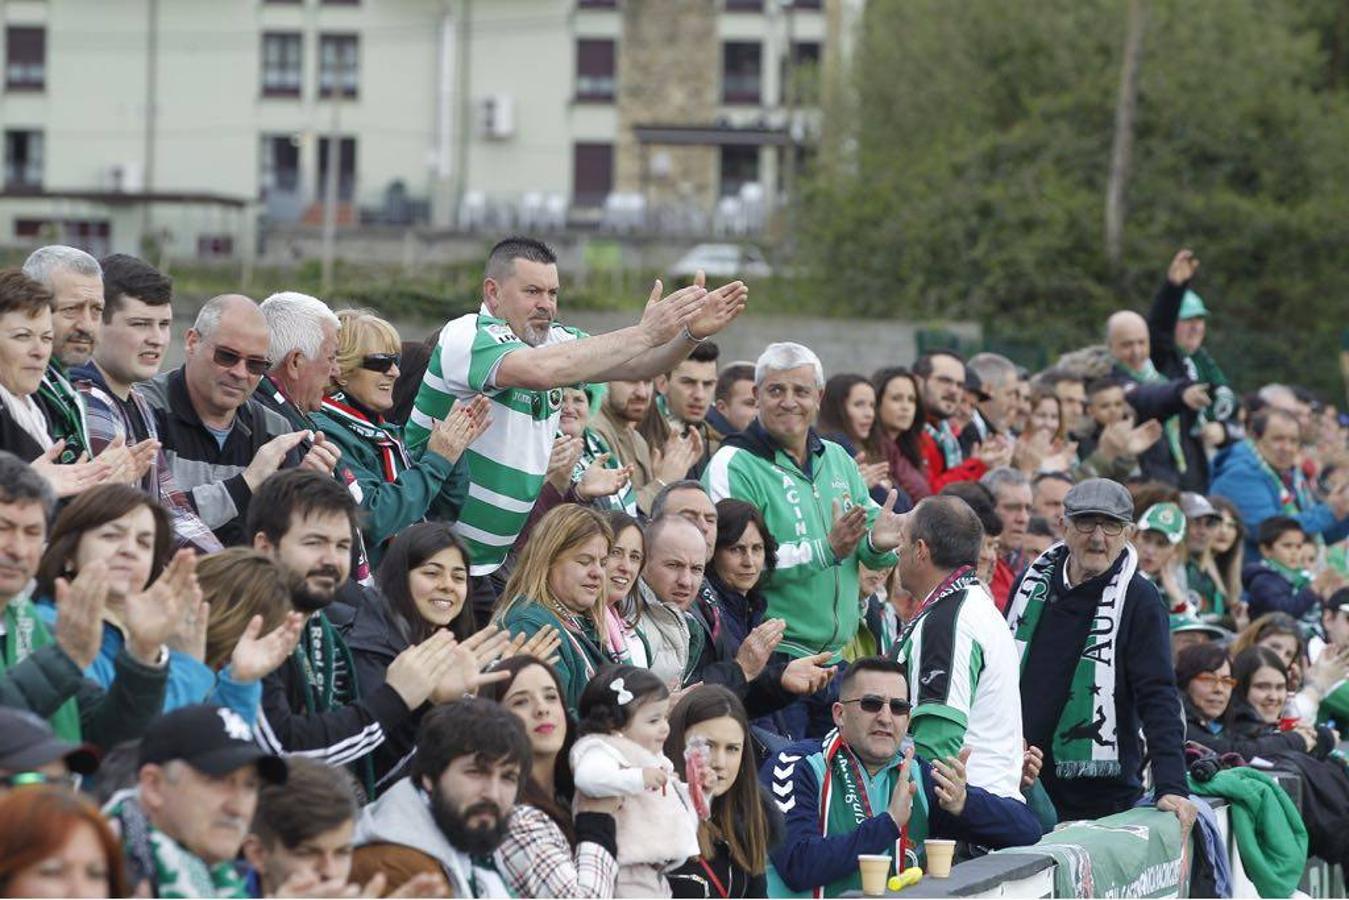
560 581
394 490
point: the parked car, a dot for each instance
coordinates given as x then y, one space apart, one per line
722 261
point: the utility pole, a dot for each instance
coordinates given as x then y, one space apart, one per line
1121 151
151 92
330 188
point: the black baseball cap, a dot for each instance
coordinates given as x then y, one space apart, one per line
211 739
27 742
1337 601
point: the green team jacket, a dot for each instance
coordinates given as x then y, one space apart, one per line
430 488
580 656
815 592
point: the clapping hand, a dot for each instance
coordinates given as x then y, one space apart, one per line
79 613
599 480
808 674
468 660
465 424
562 461
256 656
153 615
69 479
720 308
543 644
758 646
949 778
664 319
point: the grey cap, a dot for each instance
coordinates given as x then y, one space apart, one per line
1196 506
27 742
1099 497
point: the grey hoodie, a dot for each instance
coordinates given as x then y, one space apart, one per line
403 816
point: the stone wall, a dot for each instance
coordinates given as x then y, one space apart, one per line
669 63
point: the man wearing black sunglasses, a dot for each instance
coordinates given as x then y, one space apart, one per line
219 440
856 792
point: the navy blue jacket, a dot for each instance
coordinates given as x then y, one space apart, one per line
1267 591
805 860
1146 696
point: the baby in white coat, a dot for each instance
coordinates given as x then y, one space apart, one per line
624 722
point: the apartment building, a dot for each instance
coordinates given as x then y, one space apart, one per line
193 124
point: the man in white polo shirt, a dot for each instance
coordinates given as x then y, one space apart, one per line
514 351
964 676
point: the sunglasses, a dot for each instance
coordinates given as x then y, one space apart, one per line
1210 679
872 704
381 362
228 359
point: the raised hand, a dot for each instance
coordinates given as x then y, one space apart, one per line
464 425
808 674
872 473
995 452
141 455
664 319
1183 266
720 309
562 461
465 673
1196 396
153 615
79 613
600 481
949 781
901 798
69 479
1031 762
678 456
416 672
847 531
190 635
888 529
543 644
322 456
255 657
270 456
758 646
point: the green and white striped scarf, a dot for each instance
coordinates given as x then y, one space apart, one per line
1086 743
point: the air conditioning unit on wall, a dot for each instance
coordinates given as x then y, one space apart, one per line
496 117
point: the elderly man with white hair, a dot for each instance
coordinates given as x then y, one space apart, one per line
816 505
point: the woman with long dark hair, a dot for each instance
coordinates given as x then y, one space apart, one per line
1204 677
735 840
848 418
899 419
547 852
745 554
1229 555
423 583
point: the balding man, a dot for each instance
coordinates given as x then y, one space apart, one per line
220 442
1178 458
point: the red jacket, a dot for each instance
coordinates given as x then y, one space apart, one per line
939 476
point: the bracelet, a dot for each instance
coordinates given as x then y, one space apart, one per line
688 336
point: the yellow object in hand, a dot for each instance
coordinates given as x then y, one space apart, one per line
908 878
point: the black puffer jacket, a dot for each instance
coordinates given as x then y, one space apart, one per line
1244 732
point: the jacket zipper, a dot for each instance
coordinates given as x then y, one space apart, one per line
824 521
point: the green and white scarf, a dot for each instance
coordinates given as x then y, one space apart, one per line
1086 742
947 442
176 871
69 422
25 634
1148 374
1206 371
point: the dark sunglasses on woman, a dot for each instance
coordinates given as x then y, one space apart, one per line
381 362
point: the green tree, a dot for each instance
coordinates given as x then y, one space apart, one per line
967 180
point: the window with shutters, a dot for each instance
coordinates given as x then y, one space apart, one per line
25 58
595 79
592 174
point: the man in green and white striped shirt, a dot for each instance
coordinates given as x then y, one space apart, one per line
513 351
